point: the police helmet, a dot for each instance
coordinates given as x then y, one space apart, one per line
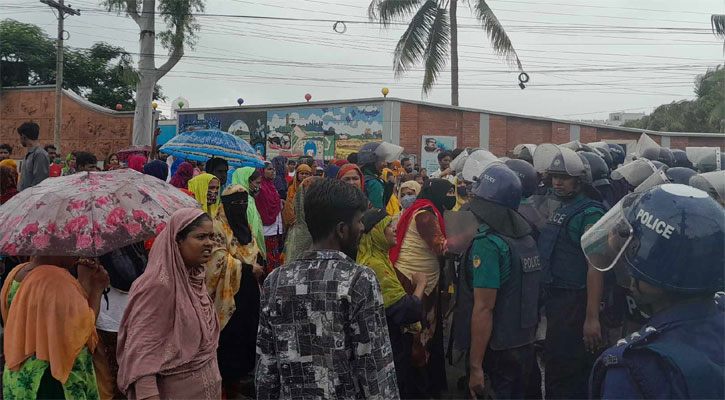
526 154
681 159
669 236
606 156
366 154
679 175
587 177
598 167
663 155
711 182
559 160
373 152
666 175
498 184
658 164
527 175
617 152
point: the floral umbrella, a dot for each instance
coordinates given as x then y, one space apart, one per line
88 214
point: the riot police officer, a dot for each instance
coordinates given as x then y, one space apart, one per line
498 288
666 244
529 185
573 291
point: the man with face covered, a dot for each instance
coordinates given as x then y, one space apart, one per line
322 330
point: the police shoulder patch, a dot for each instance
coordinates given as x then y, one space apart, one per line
476 261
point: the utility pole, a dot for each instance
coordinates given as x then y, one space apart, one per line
62 10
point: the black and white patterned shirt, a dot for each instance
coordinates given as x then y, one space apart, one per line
323 333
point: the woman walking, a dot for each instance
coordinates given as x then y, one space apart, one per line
269 206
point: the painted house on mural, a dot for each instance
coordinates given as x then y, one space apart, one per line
334 129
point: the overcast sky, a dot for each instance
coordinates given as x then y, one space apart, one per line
585 58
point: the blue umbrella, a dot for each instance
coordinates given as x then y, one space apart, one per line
201 145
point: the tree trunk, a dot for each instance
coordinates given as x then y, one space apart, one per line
454 53
143 115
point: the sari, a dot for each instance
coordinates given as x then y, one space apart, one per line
288 212
241 177
299 239
8 184
200 186
393 206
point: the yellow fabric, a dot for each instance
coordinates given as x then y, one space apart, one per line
416 256
373 252
224 269
393 207
409 185
9 163
199 185
460 201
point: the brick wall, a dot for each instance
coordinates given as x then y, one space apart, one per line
84 129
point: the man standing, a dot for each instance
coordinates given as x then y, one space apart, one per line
407 165
5 151
218 167
322 328
52 152
444 171
35 167
86 162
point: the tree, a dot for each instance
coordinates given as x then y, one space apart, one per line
432 36
181 28
103 74
704 114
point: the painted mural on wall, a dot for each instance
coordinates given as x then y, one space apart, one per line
250 126
325 132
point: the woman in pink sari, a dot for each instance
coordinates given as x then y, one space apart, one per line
170 331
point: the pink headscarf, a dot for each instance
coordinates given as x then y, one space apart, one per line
267 201
136 162
182 175
170 325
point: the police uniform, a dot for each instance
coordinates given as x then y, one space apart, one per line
511 266
565 278
663 360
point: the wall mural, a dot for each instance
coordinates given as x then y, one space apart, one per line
324 132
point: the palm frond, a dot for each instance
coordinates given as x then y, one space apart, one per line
412 45
436 51
717 21
496 33
388 10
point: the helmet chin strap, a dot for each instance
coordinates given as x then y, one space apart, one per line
570 195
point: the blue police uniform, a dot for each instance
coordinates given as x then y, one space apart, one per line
663 360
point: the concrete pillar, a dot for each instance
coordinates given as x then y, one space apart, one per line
574 132
484 131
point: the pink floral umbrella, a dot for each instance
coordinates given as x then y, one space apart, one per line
88 214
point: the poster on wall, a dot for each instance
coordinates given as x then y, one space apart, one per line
248 125
432 145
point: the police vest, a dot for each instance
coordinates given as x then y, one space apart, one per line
515 314
563 260
687 349
534 218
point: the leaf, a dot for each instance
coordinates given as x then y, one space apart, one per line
388 10
412 45
500 41
717 21
436 51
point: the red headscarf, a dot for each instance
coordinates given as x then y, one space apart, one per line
136 162
8 183
349 167
268 201
405 221
182 175
339 163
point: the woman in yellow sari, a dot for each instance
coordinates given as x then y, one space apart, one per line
393 206
232 278
205 188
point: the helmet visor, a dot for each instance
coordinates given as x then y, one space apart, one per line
705 158
568 161
388 152
476 163
656 179
458 162
645 142
605 242
635 172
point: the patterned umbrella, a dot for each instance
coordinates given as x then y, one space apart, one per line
203 144
88 214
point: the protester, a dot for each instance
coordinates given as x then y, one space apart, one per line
52 152
393 205
331 171
280 174
352 175
269 205
6 151
403 312
35 164
342 334
444 171
136 162
8 184
291 169
182 176
169 335
205 188
112 162
420 244
70 165
288 212
232 280
407 165
498 289
86 162
407 193
157 169
299 239
49 338
678 353
250 179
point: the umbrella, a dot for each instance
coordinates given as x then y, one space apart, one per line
129 151
88 214
203 144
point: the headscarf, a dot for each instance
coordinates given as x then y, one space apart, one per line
136 162
436 191
339 163
267 201
415 186
241 177
158 169
176 164
234 245
8 183
349 167
67 170
280 174
170 324
393 206
373 252
299 239
288 213
9 163
331 171
107 164
200 186
183 173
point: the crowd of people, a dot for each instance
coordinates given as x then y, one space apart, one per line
558 271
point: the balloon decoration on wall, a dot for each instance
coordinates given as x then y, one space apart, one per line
181 104
119 107
385 92
308 97
240 101
155 105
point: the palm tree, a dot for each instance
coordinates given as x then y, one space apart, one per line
718 26
433 33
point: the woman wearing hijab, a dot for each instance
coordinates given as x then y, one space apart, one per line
112 163
280 175
407 193
269 206
170 331
205 188
8 184
49 336
403 312
136 162
70 165
232 277
421 243
184 172
157 169
250 179
352 174
393 206
302 172
299 239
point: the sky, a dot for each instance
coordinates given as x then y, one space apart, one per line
585 58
